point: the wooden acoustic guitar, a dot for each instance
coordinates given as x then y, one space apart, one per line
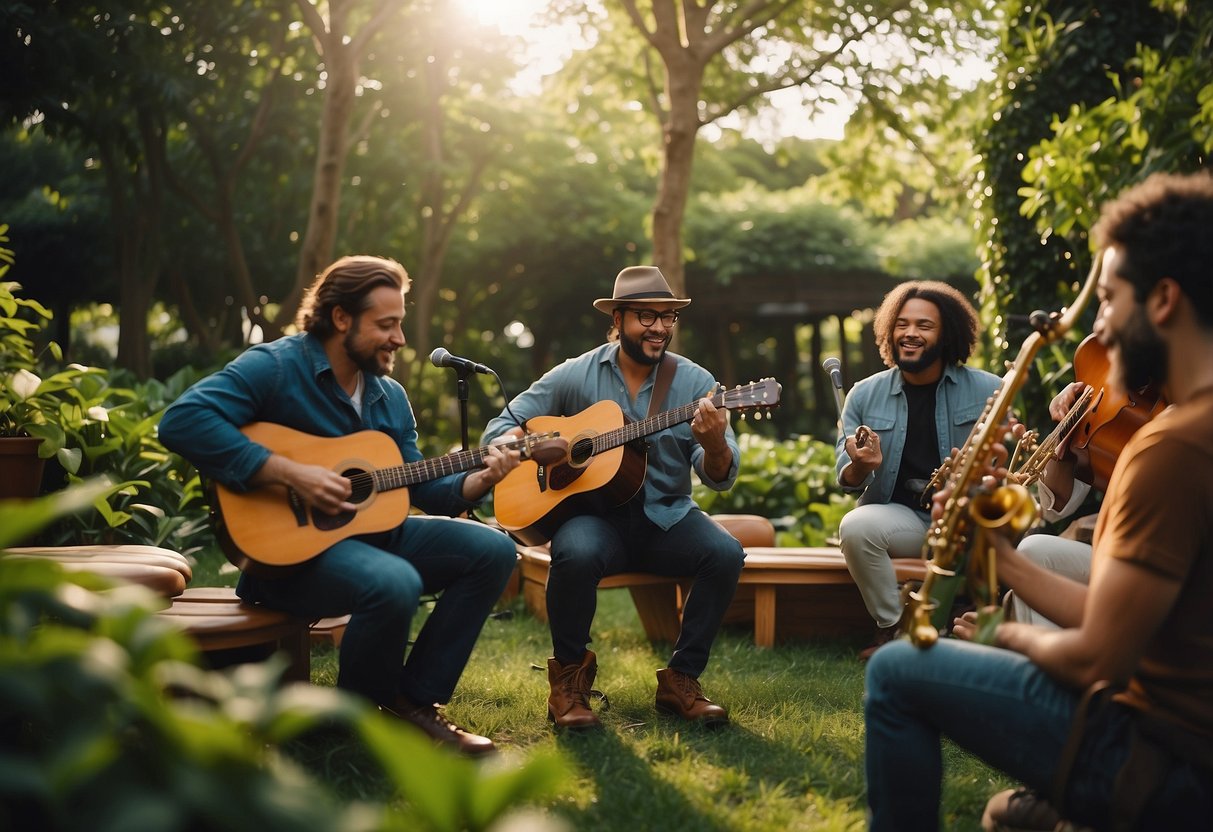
270 529
605 465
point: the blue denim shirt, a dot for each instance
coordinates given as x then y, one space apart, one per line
879 403
571 387
290 382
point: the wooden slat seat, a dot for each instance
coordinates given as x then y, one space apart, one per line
161 570
225 629
795 592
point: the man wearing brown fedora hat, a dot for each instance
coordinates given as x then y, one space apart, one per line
659 529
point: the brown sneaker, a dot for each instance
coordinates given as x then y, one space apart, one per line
1023 810
430 719
569 701
680 695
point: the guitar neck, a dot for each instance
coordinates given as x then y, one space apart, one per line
411 473
638 430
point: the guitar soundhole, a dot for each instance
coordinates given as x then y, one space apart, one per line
363 485
581 451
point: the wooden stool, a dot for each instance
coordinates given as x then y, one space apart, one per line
229 631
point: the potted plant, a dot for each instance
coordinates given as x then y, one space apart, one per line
35 405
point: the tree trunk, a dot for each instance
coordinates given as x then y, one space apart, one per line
684 79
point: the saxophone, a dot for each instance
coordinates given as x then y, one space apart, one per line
972 511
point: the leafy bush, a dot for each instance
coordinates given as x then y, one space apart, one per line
107 723
791 482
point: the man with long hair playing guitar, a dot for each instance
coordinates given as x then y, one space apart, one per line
659 529
332 380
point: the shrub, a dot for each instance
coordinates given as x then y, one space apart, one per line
791 482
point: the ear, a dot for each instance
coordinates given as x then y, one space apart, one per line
342 320
1162 304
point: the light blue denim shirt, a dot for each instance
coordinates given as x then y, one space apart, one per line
880 403
289 381
571 387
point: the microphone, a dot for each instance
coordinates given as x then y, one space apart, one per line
834 368
440 357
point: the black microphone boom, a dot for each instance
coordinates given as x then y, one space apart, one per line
441 357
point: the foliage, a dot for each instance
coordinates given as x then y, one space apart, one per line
791 482
158 497
1056 56
49 407
753 232
109 724
1159 119
930 248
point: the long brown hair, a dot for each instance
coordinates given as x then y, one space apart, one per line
346 284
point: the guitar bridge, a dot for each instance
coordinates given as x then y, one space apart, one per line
297 507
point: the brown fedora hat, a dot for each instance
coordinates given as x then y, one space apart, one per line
639 284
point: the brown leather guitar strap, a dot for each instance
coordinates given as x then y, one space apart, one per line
661 384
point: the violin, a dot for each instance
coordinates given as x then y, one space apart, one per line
1115 416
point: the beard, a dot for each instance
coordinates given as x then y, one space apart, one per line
1141 356
917 365
366 359
634 349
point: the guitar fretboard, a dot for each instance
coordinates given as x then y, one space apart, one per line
739 399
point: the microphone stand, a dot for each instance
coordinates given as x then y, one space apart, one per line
461 391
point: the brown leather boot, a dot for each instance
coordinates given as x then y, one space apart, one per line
680 695
435 725
569 701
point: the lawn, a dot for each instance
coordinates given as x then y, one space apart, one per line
791 759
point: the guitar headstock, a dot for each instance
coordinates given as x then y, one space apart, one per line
756 394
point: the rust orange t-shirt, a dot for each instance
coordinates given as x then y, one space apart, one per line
1158 513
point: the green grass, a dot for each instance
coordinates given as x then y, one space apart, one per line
791 759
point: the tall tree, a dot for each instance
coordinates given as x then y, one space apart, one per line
343 31
699 62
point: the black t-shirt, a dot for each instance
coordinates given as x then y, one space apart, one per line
920 457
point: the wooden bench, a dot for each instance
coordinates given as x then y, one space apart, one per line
226 630
789 592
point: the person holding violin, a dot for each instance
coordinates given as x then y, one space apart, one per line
1108 723
1082 461
897 427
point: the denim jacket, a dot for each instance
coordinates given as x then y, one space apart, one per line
879 403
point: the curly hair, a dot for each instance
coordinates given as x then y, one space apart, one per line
1163 227
958 320
346 284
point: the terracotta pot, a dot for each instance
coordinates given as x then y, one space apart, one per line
20 467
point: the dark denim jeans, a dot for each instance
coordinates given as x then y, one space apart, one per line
588 548
1004 709
378 580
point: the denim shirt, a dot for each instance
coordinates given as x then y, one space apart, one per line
290 382
578 383
880 403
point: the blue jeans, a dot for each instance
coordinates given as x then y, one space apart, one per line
378 580
588 548
999 706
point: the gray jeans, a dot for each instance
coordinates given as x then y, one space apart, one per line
871 536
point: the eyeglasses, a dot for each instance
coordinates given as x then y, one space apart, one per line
648 317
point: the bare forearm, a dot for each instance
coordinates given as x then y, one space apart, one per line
1057 597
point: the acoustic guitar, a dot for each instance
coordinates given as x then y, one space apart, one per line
605 465
271 529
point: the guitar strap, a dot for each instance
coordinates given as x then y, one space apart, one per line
661 384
